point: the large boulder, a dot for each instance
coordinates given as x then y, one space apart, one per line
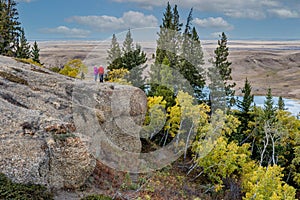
46 137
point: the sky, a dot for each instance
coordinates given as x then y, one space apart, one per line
98 19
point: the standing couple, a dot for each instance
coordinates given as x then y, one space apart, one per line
99 71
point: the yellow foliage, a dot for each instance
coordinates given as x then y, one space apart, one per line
155 117
185 108
68 71
118 76
174 119
29 61
290 126
73 68
266 183
216 157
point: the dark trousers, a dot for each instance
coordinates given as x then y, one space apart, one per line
101 78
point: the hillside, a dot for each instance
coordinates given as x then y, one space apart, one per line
52 127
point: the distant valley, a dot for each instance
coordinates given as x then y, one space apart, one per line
274 64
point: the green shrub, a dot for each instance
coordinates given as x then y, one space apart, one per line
10 190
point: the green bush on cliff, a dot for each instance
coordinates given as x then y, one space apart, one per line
10 190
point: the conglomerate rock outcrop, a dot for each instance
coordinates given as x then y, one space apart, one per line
48 123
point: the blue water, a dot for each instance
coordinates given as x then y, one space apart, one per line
292 105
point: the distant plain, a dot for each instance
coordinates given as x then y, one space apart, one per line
274 64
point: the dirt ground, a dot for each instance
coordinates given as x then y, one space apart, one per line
274 64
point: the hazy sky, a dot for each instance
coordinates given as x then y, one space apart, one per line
99 19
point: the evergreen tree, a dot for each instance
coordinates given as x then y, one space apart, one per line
23 50
187 36
114 52
135 57
217 95
269 108
168 42
192 58
176 34
197 57
133 60
167 49
128 43
9 28
281 104
244 115
176 20
248 98
35 53
183 51
162 42
163 86
223 66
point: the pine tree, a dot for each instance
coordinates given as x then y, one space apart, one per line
176 20
248 98
133 60
223 66
23 49
163 87
217 94
192 58
9 28
168 45
176 27
35 53
114 52
244 115
161 49
269 108
169 36
187 36
281 104
128 43
183 51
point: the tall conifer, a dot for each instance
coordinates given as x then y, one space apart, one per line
10 29
222 66
128 43
281 104
35 53
114 52
269 108
23 49
244 115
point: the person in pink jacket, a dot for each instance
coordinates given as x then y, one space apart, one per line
96 73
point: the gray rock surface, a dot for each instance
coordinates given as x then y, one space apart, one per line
46 136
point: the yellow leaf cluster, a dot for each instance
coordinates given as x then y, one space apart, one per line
118 76
266 183
73 68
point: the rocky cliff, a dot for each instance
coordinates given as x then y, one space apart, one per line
49 123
